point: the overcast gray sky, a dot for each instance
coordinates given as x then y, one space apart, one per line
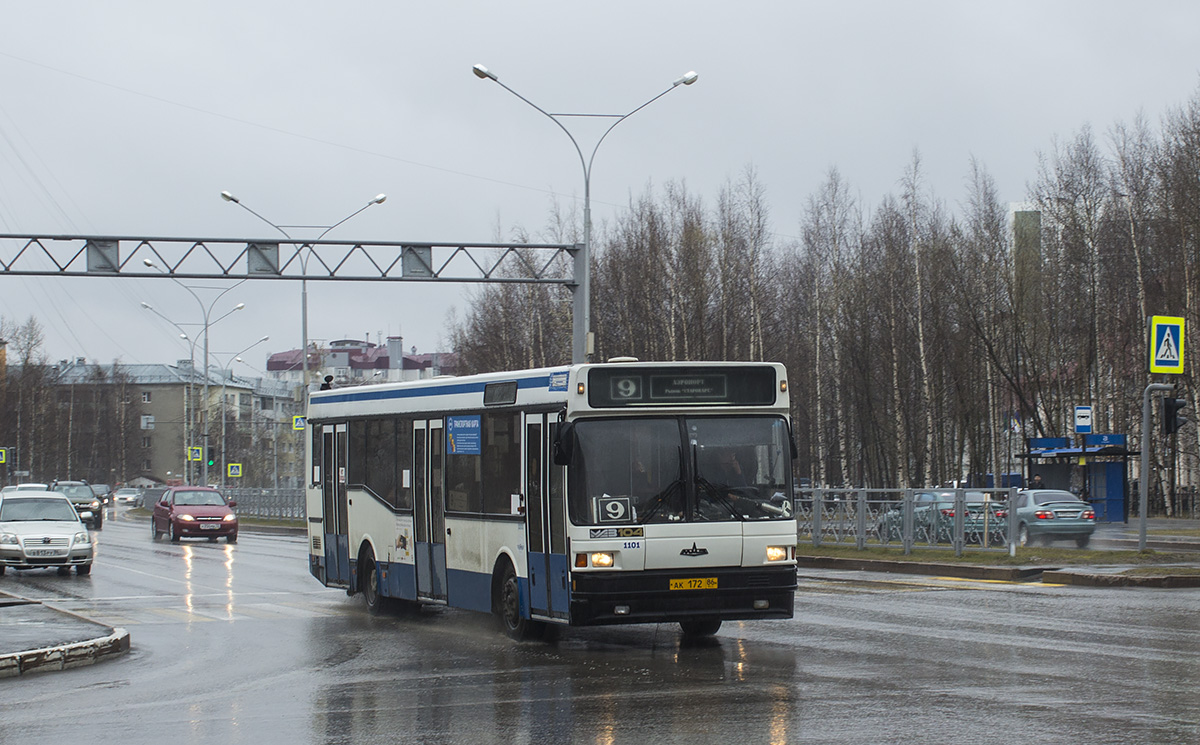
130 118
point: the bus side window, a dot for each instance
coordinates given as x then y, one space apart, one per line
404 464
558 492
315 461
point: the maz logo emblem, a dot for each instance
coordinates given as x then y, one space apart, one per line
693 551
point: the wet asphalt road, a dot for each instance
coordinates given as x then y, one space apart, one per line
237 644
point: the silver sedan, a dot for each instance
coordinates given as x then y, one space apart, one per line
42 530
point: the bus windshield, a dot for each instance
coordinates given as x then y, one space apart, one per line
680 469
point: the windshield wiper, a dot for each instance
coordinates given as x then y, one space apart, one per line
658 500
718 494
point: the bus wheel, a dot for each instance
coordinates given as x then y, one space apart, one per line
368 584
510 609
705 627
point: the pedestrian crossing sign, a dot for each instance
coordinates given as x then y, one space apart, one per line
196 454
235 470
1166 344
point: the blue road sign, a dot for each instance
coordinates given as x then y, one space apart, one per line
1166 344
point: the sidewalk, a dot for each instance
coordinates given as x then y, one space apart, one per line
1116 536
35 637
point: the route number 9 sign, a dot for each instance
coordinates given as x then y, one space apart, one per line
613 510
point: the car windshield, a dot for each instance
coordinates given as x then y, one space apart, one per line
77 491
50 508
199 498
675 469
1046 497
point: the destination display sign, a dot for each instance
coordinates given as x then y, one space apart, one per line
675 386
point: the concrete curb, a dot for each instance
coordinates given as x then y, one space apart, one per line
1080 577
66 656
85 649
962 571
1090 579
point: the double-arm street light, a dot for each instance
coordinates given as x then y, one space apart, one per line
189 394
581 313
377 199
225 373
206 311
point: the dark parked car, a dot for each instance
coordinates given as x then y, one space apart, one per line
195 512
150 496
933 518
1047 514
84 499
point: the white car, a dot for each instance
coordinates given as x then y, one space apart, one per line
25 487
127 495
42 530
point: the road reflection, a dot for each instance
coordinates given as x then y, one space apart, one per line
189 590
602 686
192 562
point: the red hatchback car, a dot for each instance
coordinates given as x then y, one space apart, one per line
194 511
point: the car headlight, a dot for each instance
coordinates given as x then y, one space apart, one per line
230 517
777 553
8 538
186 518
95 504
82 537
602 559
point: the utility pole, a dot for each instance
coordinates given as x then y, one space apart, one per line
1144 467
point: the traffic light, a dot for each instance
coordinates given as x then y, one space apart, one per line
1171 419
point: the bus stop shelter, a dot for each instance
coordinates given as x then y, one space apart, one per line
1097 469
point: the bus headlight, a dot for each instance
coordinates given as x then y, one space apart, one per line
602 559
777 553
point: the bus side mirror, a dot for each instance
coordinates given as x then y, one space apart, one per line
564 445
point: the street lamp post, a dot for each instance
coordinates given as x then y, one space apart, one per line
189 394
225 372
581 312
377 199
206 311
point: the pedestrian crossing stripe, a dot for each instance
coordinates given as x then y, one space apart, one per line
1166 344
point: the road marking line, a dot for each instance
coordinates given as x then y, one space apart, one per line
1022 583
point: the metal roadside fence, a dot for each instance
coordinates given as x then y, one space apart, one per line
942 518
279 504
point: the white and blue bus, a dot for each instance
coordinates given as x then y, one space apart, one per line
625 492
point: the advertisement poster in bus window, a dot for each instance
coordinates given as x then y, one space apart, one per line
464 435
403 542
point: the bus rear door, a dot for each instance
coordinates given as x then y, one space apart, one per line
430 517
333 488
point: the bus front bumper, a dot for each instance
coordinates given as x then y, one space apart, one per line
646 597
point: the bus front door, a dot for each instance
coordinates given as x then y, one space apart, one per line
333 488
547 559
430 517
